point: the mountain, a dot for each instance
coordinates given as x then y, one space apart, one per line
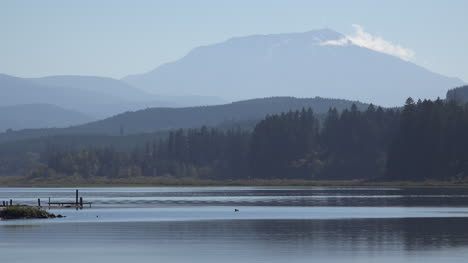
97 97
105 86
459 94
38 116
160 119
296 64
121 89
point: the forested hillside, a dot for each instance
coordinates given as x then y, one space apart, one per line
287 146
159 119
431 142
459 94
426 140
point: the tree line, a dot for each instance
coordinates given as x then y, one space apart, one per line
423 140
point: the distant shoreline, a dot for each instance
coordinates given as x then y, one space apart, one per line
24 182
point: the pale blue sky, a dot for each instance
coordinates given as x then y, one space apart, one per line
117 38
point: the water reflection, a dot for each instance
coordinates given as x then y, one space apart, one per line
245 196
273 225
360 240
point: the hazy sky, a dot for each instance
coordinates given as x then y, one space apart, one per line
116 38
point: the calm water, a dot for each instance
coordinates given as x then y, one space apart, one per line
288 224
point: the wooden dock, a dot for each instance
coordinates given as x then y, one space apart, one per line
77 204
69 204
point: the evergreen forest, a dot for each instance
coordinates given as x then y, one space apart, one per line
424 140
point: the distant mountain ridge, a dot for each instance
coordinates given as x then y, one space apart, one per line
97 97
28 116
102 85
296 64
280 65
160 119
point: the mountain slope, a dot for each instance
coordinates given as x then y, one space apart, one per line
102 85
297 64
39 116
158 119
122 90
95 96
16 91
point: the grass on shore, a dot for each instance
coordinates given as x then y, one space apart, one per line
24 212
78 181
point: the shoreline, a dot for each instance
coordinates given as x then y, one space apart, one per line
20 182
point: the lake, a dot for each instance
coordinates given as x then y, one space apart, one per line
273 224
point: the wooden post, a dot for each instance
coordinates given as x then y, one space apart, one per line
49 202
39 202
81 202
11 202
76 202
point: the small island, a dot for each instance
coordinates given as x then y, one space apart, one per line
25 212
